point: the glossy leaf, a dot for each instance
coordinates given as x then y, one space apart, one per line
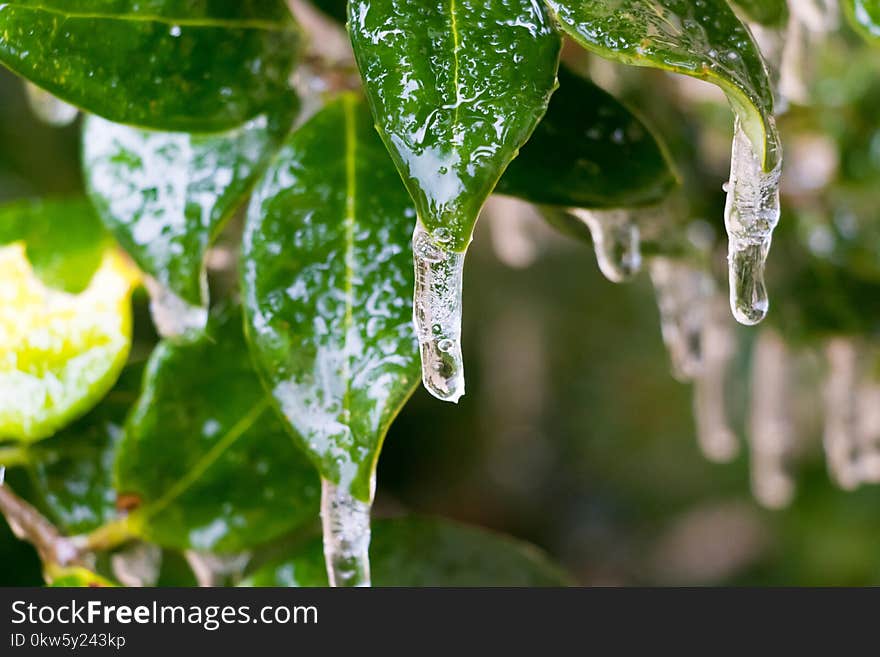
166 195
73 474
765 12
164 64
702 39
61 351
425 552
456 89
204 459
865 17
589 151
327 280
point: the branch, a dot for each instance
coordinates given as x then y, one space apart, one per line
30 525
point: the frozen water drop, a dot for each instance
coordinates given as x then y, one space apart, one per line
173 316
717 440
346 524
751 214
617 241
684 293
770 423
437 314
48 108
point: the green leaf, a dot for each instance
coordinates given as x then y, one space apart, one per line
166 195
865 17
765 12
456 89
589 151
61 351
64 240
203 454
327 283
76 577
702 39
426 552
164 64
73 474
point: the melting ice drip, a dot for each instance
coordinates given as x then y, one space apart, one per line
49 109
617 241
751 215
437 312
770 424
852 414
173 316
346 524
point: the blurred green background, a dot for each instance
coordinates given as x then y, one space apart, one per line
572 435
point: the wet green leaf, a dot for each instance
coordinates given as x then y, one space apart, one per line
865 17
589 151
166 195
62 346
64 240
164 64
702 39
766 12
73 474
204 457
456 89
427 552
328 280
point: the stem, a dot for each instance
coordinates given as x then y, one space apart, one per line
346 523
30 525
111 535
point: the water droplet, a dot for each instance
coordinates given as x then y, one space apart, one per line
751 214
346 524
437 315
617 241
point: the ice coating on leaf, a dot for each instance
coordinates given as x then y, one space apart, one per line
684 296
716 438
166 195
439 275
751 214
852 414
327 282
770 422
49 109
617 241
172 316
346 525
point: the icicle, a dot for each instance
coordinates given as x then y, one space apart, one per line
137 565
49 109
852 414
683 296
172 315
437 312
213 570
717 440
770 423
346 525
751 214
617 241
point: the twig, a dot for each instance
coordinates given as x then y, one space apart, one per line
30 525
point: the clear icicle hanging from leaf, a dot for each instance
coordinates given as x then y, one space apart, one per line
345 521
617 241
453 107
852 426
717 440
770 428
751 214
48 108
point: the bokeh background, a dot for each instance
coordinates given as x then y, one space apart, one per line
573 435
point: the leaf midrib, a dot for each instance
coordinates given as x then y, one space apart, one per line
246 24
350 210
